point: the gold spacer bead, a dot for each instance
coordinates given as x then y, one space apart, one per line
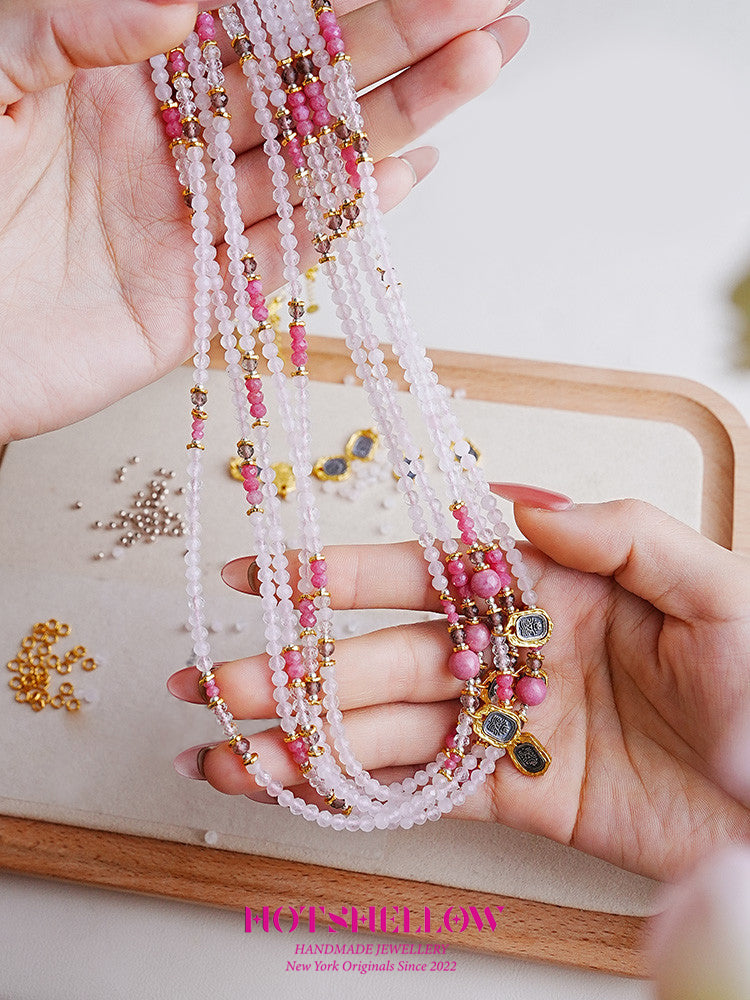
195 444
300 371
254 510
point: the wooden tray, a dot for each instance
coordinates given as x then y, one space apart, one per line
584 938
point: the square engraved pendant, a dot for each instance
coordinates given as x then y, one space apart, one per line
497 726
531 627
529 756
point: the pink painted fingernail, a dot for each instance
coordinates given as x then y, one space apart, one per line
242 575
183 684
421 161
532 496
510 33
512 6
189 763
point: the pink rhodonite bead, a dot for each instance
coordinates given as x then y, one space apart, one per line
463 663
504 687
212 689
477 637
485 583
531 690
205 27
298 750
294 665
177 61
452 762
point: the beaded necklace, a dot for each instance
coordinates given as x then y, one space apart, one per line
302 90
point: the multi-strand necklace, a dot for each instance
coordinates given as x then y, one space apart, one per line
302 89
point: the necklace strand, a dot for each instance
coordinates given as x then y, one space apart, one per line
293 58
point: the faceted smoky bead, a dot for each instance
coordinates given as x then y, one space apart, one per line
190 129
249 363
198 397
245 450
304 66
361 143
323 244
458 637
289 75
250 264
507 601
469 702
187 197
285 123
337 804
327 648
296 310
242 47
334 221
495 620
351 211
219 100
314 688
342 131
319 5
476 558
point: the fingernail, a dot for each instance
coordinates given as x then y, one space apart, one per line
512 6
421 161
510 33
263 797
183 684
242 574
189 763
532 496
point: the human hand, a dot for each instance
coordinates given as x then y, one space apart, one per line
96 251
649 684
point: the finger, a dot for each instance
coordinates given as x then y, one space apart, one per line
392 575
44 42
405 663
395 114
395 179
649 553
428 35
384 736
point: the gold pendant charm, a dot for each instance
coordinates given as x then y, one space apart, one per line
497 726
531 627
529 756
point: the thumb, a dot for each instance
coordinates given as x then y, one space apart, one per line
44 42
649 553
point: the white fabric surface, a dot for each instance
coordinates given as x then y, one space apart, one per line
109 766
